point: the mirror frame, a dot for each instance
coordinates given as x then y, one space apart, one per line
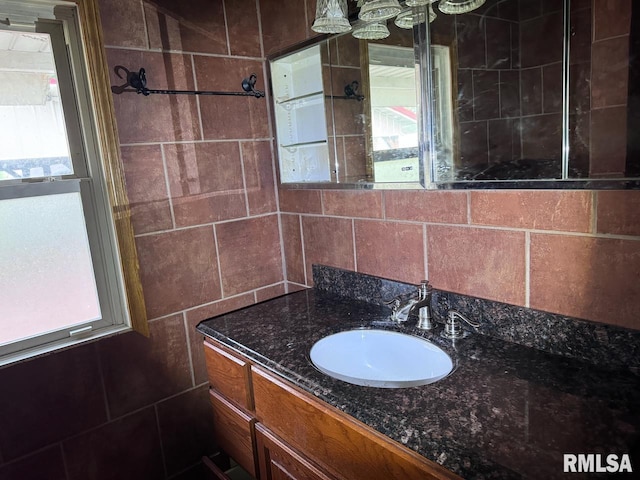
427 155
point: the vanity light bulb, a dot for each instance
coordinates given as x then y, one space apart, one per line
377 10
331 17
456 7
419 3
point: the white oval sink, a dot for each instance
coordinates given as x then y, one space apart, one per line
380 358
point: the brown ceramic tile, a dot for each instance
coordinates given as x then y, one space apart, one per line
155 118
568 211
473 144
356 159
542 137
292 242
178 270
531 91
348 115
139 371
591 278
122 23
229 117
504 144
278 33
486 94
465 95
270 292
146 188
51 398
530 9
610 72
508 10
242 25
105 453
612 18
579 88
249 254
199 314
498 43
205 181
471 41
194 26
429 206
541 40
478 262
579 140
552 88
581 33
258 173
618 212
186 429
509 94
47 464
327 241
352 203
608 141
390 249
549 6
515 45
348 51
300 201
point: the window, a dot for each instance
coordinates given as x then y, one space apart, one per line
62 277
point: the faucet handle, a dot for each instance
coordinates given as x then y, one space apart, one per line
452 328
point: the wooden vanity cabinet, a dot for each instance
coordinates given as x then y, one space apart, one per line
289 434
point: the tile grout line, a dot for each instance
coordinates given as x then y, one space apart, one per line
469 222
183 52
353 240
188 142
259 15
65 466
164 458
304 256
195 86
594 212
215 241
105 396
191 367
527 269
167 186
226 26
425 250
244 180
146 28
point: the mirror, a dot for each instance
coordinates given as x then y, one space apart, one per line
521 94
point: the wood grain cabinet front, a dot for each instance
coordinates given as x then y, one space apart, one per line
229 374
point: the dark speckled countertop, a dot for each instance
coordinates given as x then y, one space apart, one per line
506 411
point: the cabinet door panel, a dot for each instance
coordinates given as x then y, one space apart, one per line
229 375
278 461
234 431
342 445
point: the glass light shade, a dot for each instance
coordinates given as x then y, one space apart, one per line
372 31
331 17
377 10
454 7
419 3
410 18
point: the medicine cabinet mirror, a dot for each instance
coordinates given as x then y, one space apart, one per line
520 94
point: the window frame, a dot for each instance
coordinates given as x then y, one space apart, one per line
99 173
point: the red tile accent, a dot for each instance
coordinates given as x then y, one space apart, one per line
50 398
227 117
100 454
327 241
611 18
249 254
139 371
155 118
592 278
258 172
292 241
390 249
146 188
199 314
300 201
353 203
568 211
178 270
194 26
47 464
205 180
186 429
122 23
433 207
270 292
617 212
479 262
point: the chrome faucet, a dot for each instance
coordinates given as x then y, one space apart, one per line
422 305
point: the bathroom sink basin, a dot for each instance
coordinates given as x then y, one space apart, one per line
380 358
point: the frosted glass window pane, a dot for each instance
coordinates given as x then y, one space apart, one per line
46 275
32 127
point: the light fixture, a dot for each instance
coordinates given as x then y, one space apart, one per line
455 7
409 18
377 10
331 17
372 31
419 3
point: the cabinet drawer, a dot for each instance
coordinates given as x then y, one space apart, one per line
229 375
278 461
234 431
348 448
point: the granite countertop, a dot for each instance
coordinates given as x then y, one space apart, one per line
506 411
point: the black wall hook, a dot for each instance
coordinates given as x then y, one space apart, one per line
138 83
